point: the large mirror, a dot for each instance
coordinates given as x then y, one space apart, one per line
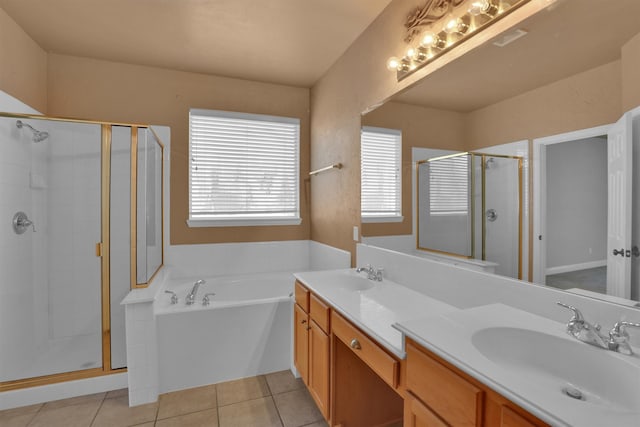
567 72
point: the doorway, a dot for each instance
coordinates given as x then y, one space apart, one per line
570 198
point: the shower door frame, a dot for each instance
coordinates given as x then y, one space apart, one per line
102 249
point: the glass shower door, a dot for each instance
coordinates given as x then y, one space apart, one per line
50 296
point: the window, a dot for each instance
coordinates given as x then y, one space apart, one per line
381 180
244 169
449 185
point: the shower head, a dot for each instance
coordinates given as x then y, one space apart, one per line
38 136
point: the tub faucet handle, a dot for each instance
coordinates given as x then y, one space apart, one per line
206 300
174 297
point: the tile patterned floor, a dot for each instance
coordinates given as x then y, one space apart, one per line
277 400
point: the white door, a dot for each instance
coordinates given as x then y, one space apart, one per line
620 156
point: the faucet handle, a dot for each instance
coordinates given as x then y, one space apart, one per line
206 300
577 316
619 330
174 297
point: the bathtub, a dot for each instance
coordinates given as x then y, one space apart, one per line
246 330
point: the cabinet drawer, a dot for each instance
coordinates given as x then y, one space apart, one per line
371 353
457 401
320 313
302 296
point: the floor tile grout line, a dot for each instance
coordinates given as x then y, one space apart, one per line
217 407
277 410
93 420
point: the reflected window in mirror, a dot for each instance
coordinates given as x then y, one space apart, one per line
381 179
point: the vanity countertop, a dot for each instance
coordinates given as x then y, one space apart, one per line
375 309
527 358
530 360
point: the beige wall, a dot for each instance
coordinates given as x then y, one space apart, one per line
23 65
93 89
588 99
421 127
631 73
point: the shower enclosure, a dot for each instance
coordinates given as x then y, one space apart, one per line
470 205
74 198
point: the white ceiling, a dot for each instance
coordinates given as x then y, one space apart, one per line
290 42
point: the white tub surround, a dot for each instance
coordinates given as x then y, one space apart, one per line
173 347
370 305
529 360
227 259
244 331
142 343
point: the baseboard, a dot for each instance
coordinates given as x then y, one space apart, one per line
576 267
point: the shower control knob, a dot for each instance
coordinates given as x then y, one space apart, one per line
21 223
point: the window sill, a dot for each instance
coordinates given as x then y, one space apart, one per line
242 222
374 219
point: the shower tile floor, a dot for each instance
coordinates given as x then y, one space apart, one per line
276 399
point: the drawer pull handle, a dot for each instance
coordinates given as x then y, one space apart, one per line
303 322
355 344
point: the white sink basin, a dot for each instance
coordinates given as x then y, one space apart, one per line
561 364
352 281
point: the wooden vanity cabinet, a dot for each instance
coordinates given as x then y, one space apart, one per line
438 394
319 357
312 345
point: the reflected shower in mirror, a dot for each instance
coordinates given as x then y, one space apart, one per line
470 205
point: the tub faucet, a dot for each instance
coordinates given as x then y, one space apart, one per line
191 298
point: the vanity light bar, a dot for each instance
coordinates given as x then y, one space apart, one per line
438 27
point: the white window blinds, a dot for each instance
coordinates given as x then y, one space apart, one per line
381 184
243 166
449 185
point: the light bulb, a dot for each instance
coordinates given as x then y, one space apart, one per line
411 52
393 63
429 39
482 7
455 25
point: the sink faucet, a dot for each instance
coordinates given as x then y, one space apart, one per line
619 338
584 331
372 273
191 298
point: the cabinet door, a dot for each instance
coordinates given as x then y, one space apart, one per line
319 367
512 419
417 414
301 342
